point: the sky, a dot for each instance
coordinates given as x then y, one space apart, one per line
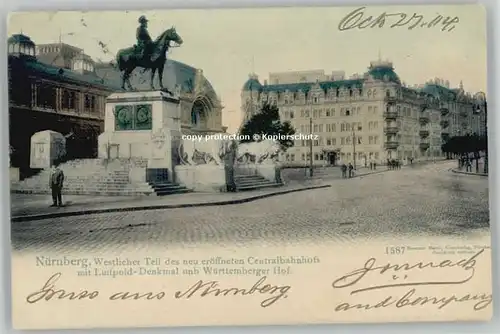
229 44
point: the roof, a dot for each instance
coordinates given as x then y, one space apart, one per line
306 86
439 91
174 73
49 57
382 72
252 84
31 65
20 39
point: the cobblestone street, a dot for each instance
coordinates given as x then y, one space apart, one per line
416 201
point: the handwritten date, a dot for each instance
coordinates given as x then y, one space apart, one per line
357 19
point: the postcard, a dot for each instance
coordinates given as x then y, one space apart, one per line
249 166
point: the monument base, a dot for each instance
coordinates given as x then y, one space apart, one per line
14 174
142 125
202 178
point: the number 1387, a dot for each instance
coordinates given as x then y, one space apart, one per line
395 250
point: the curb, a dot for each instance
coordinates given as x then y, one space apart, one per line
468 173
159 207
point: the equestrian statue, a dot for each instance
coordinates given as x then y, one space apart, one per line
147 53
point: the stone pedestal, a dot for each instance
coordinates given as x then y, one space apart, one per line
202 178
143 125
46 148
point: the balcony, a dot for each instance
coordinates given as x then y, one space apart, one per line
391 130
391 144
423 133
424 146
423 119
390 99
444 111
391 115
444 124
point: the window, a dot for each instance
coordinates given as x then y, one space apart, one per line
334 141
292 157
291 115
375 109
347 112
46 96
370 140
320 129
327 112
370 108
315 99
68 100
316 156
342 141
302 157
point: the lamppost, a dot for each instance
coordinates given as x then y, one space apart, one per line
481 105
310 146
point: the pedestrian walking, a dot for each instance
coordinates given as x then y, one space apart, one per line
56 184
351 170
468 165
344 170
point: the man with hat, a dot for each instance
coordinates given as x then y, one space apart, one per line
144 41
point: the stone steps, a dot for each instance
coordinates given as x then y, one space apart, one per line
253 182
89 177
167 188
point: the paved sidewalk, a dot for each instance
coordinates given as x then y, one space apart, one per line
26 207
461 171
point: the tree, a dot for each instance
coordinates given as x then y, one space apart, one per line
463 146
268 122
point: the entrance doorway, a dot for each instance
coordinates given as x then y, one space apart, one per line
332 158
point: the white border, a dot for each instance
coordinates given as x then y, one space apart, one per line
493 92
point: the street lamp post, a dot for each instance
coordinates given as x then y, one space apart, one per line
310 147
480 96
354 147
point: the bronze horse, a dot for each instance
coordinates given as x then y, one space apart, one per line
128 59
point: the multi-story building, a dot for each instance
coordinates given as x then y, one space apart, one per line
370 117
47 92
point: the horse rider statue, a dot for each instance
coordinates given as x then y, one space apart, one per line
144 41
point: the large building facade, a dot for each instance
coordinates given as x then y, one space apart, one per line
365 118
58 87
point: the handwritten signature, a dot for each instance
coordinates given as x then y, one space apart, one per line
399 275
357 19
199 289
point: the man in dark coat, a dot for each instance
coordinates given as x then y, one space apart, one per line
56 184
144 41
